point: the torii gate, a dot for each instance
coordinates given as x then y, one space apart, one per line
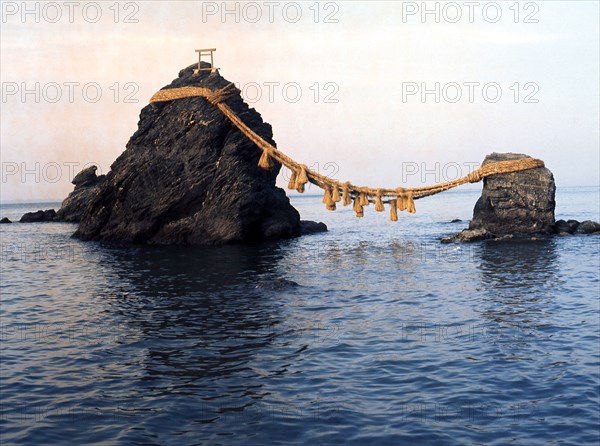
205 52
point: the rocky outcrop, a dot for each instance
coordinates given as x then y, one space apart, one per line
512 204
568 227
189 176
39 216
518 205
565 227
588 227
515 203
5 220
87 184
311 227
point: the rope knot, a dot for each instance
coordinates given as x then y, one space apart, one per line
217 96
474 177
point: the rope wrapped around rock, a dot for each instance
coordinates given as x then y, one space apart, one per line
399 199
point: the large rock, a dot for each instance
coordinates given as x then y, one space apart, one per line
189 176
512 204
515 203
87 185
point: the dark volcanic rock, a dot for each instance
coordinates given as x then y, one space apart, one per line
87 177
5 220
311 227
568 227
515 203
574 227
87 185
39 216
588 227
189 176
519 204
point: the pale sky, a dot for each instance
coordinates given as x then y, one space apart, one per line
67 69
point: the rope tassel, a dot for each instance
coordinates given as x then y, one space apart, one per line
329 203
335 195
393 210
346 200
401 201
410 205
358 207
364 199
292 181
301 179
265 161
378 203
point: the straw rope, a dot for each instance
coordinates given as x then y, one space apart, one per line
399 199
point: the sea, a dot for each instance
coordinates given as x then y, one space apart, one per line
373 333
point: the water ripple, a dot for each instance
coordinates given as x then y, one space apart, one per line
387 338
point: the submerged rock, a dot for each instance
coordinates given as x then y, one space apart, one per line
189 176
87 185
278 284
39 216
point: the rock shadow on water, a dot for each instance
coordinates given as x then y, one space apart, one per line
516 282
205 323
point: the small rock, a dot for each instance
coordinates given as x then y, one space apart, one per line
311 227
86 177
87 185
39 216
5 220
588 227
277 284
565 226
456 220
469 235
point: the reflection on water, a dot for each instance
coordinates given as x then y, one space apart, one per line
518 265
202 322
517 279
388 337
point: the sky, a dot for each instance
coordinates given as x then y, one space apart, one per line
378 93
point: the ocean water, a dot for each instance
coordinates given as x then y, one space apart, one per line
371 333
